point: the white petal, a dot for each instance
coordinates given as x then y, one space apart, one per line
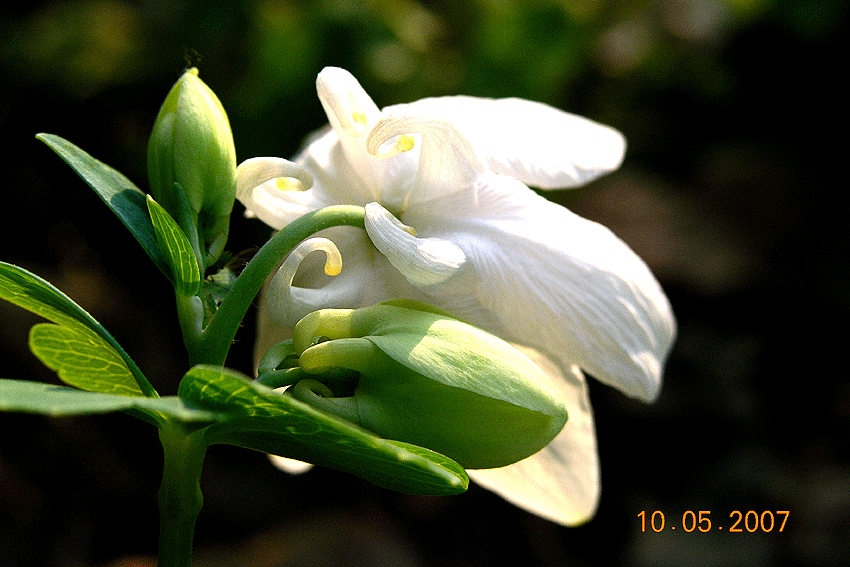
256 171
348 167
366 278
348 106
538 144
290 465
275 190
561 482
422 261
287 303
447 162
545 277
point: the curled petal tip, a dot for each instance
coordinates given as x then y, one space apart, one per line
285 302
348 106
253 172
422 261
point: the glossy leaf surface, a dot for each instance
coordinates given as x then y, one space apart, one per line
185 273
119 193
260 418
34 294
82 359
48 399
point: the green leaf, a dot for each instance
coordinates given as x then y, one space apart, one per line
185 273
266 421
119 193
82 359
47 399
32 293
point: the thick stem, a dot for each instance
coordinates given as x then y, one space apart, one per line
190 313
219 334
180 497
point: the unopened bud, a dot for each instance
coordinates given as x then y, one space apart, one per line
192 145
422 377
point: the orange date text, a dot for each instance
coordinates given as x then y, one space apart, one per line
750 521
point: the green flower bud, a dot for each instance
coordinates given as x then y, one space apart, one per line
423 377
192 164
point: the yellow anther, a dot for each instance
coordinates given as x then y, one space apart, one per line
405 143
359 118
288 184
333 265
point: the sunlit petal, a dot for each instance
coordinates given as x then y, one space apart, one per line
288 303
565 285
422 261
447 161
352 115
561 482
290 465
538 144
349 108
277 191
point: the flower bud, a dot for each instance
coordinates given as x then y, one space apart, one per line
425 378
192 145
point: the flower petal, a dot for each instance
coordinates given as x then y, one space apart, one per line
538 144
352 115
422 261
561 482
539 275
349 108
447 162
273 189
290 465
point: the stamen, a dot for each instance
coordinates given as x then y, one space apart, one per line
388 149
254 172
280 288
333 263
288 184
405 143
347 105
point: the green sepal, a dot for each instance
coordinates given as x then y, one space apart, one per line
264 420
47 399
429 379
119 193
185 273
34 294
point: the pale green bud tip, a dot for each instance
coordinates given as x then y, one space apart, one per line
425 378
192 144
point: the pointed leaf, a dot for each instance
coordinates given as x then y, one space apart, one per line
119 193
185 273
82 359
266 421
32 293
47 399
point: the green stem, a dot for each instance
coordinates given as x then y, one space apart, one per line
216 338
190 313
180 497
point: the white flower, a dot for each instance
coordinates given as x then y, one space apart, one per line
477 242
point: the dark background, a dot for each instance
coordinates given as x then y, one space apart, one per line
730 191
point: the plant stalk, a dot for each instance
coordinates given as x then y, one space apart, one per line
180 497
216 338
